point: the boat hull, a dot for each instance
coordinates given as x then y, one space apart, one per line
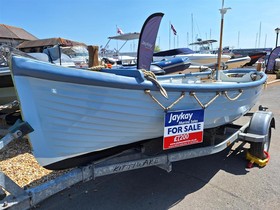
205 59
77 112
173 65
237 62
7 91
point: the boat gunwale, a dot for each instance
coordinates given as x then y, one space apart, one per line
123 79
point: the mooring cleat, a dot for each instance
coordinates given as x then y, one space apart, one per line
252 159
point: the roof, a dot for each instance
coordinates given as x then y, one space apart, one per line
125 37
11 32
49 42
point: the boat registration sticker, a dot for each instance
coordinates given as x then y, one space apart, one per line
182 128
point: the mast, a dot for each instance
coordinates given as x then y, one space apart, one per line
265 41
238 39
260 31
192 29
169 28
223 12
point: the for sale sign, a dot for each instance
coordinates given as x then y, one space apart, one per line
183 128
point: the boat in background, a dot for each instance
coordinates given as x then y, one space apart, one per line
235 63
75 51
123 60
116 57
163 67
196 59
254 53
62 60
7 90
171 66
81 116
205 55
78 54
255 57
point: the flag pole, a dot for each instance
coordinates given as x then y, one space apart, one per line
117 40
174 37
169 33
223 12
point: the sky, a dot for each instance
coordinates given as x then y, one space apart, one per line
248 24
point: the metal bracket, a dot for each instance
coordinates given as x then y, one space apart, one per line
88 172
167 166
18 130
250 137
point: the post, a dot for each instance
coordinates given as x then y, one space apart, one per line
93 56
276 39
59 52
277 30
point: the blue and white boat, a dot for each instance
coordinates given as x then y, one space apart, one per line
75 113
171 65
78 115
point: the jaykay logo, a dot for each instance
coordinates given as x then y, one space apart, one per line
180 117
147 45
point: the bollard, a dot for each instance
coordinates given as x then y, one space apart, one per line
93 56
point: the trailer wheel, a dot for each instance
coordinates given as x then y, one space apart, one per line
260 149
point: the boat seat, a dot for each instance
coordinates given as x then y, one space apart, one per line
238 76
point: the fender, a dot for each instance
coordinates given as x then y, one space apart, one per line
261 122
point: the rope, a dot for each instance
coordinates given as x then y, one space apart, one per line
208 103
163 107
149 93
235 98
152 77
175 102
99 67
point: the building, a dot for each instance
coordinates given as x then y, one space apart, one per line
13 36
40 44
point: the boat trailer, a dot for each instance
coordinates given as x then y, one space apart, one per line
257 132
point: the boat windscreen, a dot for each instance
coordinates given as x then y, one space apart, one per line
176 51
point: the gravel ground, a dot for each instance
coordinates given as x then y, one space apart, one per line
17 162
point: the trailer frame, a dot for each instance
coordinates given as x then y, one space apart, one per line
255 131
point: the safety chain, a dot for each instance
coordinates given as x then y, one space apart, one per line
163 107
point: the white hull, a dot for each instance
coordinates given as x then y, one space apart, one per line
237 62
205 59
71 119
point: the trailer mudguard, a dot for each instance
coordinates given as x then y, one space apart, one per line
261 122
